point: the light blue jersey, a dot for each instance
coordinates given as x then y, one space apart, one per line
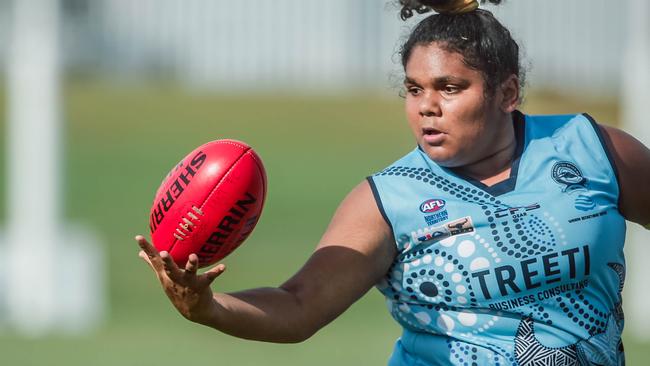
525 272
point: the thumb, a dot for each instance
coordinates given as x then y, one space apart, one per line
213 273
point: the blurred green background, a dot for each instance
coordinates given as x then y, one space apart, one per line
120 142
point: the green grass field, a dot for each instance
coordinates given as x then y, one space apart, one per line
119 143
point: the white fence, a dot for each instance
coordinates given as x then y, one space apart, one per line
312 44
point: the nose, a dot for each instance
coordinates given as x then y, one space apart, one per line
429 105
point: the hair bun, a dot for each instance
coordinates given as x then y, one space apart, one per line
440 6
451 6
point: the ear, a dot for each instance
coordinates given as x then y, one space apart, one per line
510 94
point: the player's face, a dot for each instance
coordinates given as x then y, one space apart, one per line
447 109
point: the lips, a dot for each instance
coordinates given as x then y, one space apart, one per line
429 131
432 136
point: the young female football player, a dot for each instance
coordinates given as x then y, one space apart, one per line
497 240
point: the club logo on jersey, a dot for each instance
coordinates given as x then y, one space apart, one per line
436 209
436 233
568 174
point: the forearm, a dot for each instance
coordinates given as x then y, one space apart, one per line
324 288
262 314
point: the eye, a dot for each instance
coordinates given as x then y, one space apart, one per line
414 91
451 89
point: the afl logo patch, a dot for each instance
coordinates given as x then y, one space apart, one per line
568 174
432 205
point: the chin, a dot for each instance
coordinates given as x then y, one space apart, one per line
440 156
448 163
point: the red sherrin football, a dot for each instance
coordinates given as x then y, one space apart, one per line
209 203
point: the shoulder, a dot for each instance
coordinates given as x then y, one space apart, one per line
632 160
358 220
551 123
623 144
557 126
359 226
358 197
628 157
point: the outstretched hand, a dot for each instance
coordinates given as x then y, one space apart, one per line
188 291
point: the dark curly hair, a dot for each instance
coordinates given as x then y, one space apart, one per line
485 44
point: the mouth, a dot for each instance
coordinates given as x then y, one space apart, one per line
430 131
432 136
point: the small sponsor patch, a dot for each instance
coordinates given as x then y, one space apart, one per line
461 226
515 212
436 233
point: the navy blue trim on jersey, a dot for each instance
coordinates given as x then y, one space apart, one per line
507 185
380 205
603 142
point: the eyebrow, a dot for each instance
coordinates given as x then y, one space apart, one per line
440 80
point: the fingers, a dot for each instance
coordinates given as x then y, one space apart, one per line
162 263
149 253
146 247
145 258
170 267
206 278
192 264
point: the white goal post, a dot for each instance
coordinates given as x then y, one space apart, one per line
51 273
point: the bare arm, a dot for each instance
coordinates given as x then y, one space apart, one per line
353 254
632 160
